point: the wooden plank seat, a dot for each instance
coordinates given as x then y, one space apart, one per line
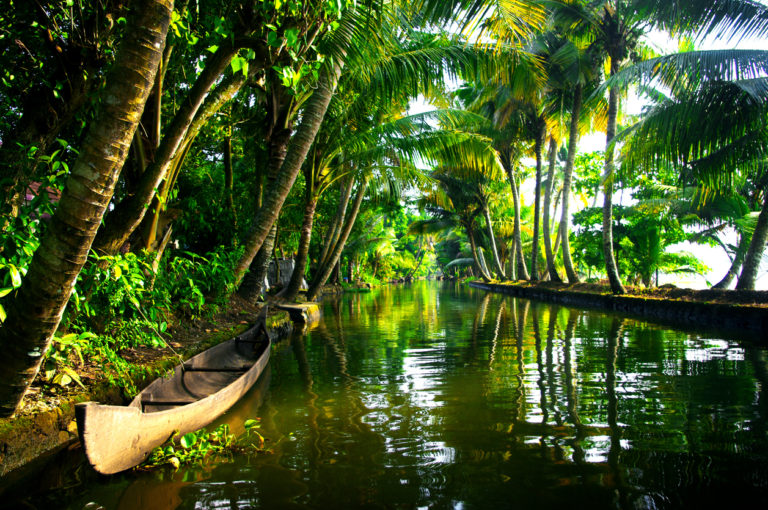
216 369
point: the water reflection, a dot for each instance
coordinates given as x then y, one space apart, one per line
446 397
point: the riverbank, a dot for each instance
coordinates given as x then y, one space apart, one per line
745 311
46 424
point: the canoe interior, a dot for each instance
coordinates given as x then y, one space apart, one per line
116 438
205 374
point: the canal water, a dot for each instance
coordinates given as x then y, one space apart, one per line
436 395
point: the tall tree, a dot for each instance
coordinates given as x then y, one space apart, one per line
36 311
616 28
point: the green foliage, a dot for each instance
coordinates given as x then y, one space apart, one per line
642 235
58 361
119 303
202 446
187 280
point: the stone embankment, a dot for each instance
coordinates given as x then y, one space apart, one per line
723 310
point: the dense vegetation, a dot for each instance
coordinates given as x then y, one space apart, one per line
156 155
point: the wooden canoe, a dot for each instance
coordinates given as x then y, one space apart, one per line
116 438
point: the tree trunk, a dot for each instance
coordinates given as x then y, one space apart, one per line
128 214
253 282
494 249
538 148
311 119
754 256
300 262
550 254
279 138
418 264
513 261
35 313
480 266
738 260
334 279
611 268
322 276
229 176
565 215
522 269
335 228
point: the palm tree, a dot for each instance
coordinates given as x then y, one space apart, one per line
616 27
570 72
36 311
296 153
678 129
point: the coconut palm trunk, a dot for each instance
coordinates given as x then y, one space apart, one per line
611 268
129 213
478 263
522 270
36 311
300 262
311 119
277 145
253 282
538 148
324 272
754 257
565 215
335 228
419 259
553 275
494 249
738 261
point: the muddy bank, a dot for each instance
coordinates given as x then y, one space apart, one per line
43 430
734 311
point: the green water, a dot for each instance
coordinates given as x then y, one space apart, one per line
441 396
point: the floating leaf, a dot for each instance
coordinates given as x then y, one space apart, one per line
188 440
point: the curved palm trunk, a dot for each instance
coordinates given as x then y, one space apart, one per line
494 249
540 136
335 228
756 249
300 262
611 268
565 216
547 209
322 276
129 213
738 261
40 302
229 177
279 137
253 282
522 270
419 259
480 265
312 118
